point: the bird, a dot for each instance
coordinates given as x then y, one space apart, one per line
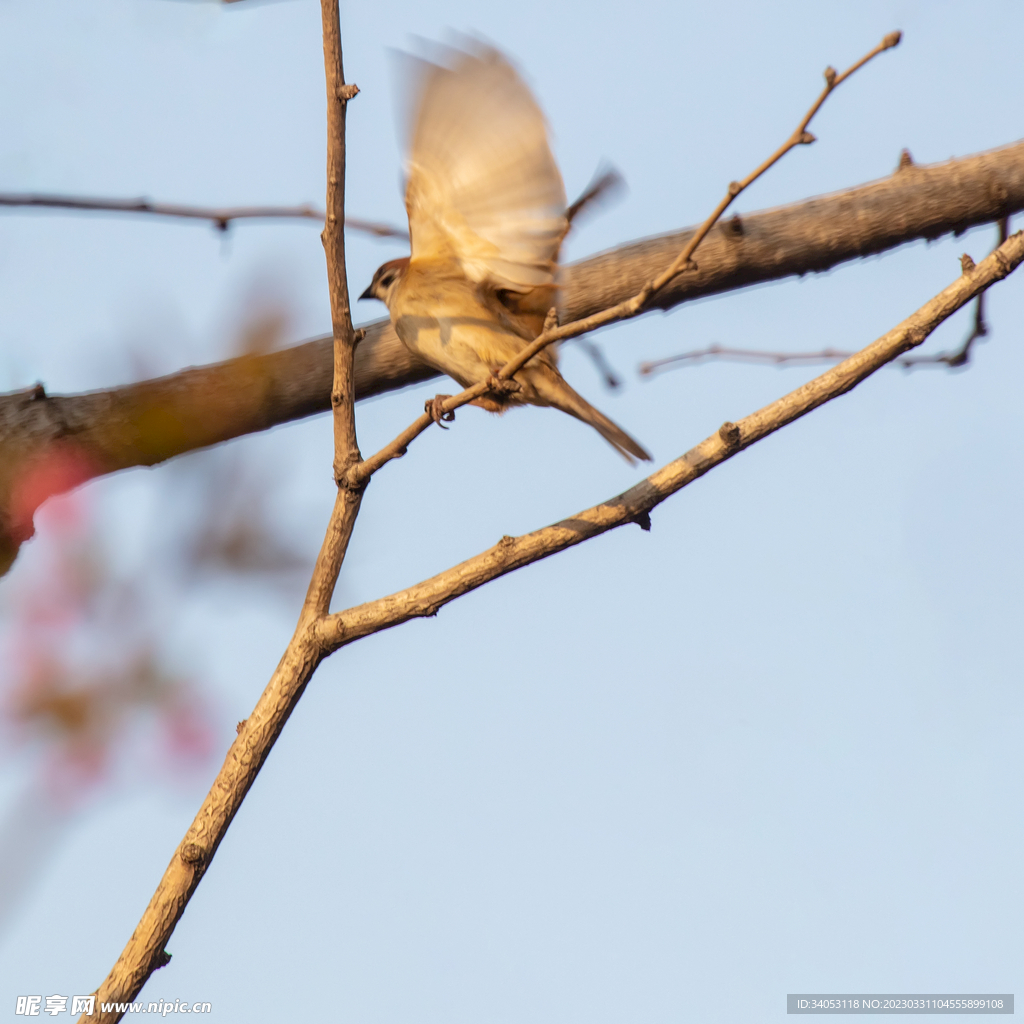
487 216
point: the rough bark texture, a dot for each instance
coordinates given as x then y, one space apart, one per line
145 951
142 424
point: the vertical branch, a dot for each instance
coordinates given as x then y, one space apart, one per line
338 95
145 951
346 448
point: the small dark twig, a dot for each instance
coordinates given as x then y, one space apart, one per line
376 228
723 353
602 188
601 364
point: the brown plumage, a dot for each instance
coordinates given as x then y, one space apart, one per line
487 216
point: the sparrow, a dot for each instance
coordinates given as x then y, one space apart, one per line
487 216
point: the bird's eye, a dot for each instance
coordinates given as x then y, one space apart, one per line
387 279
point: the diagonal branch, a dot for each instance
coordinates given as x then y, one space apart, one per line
145 951
625 310
635 505
962 356
799 137
257 735
145 423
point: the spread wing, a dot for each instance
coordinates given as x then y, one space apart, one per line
483 186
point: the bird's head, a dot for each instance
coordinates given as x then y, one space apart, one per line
384 281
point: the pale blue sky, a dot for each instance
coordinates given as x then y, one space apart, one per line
772 746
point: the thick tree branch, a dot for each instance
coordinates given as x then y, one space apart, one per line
914 202
321 636
145 423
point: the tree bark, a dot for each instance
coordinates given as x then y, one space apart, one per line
51 443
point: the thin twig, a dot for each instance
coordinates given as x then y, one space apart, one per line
601 364
958 358
220 216
376 228
961 357
624 310
740 355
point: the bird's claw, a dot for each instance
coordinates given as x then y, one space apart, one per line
502 386
434 409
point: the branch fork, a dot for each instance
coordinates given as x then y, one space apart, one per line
319 633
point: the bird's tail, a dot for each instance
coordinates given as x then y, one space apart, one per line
556 392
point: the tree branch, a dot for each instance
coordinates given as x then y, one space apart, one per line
343 392
145 951
320 637
962 356
635 505
441 410
145 423
220 216
724 353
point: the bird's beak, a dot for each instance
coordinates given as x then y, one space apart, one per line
368 294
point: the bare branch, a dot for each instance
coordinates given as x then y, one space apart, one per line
740 355
800 137
220 216
723 353
440 410
343 392
346 448
143 424
311 643
145 951
636 504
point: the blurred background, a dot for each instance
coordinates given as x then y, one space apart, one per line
772 746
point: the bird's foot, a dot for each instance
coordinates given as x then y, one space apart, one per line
434 409
502 388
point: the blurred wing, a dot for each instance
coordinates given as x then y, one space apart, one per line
483 186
